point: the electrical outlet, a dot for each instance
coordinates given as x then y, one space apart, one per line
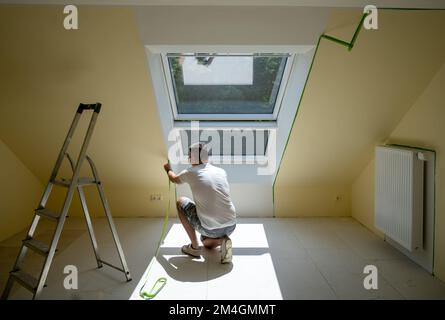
156 197
339 198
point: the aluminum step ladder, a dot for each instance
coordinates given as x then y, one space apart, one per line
35 285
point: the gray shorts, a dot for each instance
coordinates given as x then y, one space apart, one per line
189 209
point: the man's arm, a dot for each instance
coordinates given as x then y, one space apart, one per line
171 175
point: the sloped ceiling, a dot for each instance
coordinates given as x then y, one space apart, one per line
47 71
354 99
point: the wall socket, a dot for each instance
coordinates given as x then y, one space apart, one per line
155 197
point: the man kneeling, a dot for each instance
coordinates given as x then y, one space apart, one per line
212 212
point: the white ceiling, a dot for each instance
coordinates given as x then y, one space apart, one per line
312 3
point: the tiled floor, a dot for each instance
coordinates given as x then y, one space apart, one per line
303 258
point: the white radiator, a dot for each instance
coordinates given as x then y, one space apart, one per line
399 195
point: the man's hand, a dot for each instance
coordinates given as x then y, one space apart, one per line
171 175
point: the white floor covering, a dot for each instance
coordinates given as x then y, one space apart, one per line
298 258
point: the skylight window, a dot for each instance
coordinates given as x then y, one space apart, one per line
226 86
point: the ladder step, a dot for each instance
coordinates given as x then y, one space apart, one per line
26 280
37 246
81 182
46 213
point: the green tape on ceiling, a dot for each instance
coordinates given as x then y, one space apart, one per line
351 43
348 45
413 9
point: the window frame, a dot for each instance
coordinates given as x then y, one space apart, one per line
231 116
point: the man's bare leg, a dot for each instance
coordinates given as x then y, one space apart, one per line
226 247
185 223
211 243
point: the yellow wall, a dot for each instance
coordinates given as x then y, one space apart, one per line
20 192
353 99
362 198
422 126
320 201
47 71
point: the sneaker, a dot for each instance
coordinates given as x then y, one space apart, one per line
188 249
226 250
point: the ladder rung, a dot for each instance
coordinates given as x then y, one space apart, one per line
112 266
26 280
47 214
37 246
80 182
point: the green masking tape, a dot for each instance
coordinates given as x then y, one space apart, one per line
349 45
162 281
159 284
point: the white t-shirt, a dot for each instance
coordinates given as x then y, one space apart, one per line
211 195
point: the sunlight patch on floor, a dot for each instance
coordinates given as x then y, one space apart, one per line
251 275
